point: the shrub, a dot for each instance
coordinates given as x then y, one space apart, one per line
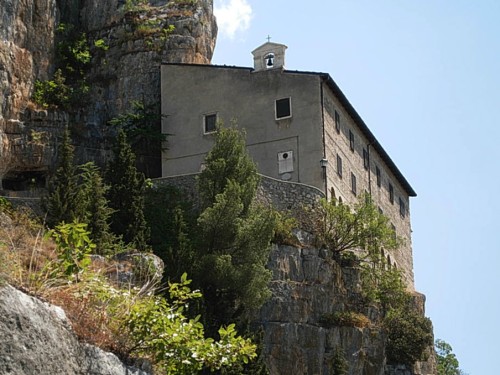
345 319
409 335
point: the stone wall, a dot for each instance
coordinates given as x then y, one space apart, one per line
282 195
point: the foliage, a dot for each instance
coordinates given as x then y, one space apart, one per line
340 366
228 161
55 92
384 286
126 195
142 126
95 208
62 202
101 44
283 232
171 220
5 205
73 56
73 247
176 343
345 319
233 234
339 228
409 335
447 362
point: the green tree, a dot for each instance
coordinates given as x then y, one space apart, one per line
126 195
234 233
340 228
63 201
96 210
172 221
228 161
142 125
447 362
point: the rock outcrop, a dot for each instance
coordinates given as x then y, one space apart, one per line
136 41
307 287
37 339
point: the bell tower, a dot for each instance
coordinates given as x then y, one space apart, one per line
269 56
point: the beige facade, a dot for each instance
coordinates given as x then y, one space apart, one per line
300 128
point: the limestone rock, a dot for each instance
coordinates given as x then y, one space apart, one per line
37 339
307 286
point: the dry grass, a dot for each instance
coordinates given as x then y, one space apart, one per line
28 262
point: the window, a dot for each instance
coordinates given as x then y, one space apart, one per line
351 140
353 183
283 108
337 122
402 207
285 162
366 160
391 193
339 166
379 177
210 123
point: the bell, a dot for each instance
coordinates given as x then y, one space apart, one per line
270 60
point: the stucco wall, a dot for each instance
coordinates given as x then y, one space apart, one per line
190 91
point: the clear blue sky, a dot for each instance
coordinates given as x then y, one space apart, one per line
424 75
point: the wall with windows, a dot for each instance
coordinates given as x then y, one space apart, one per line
281 113
355 168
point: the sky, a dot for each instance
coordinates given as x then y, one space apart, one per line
425 77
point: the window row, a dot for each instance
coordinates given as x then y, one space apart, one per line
402 204
282 110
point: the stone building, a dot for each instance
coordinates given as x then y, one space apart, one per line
300 129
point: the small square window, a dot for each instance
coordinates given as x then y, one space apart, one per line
210 123
283 108
391 193
402 207
379 177
353 183
351 140
366 160
337 122
339 166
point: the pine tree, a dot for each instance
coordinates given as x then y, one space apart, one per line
235 233
62 202
97 212
126 195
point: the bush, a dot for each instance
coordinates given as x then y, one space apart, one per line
345 319
409 335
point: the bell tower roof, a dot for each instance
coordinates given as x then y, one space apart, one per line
269 55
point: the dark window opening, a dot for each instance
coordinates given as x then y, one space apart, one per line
283 108
353 184
379 177
402 207
351 140
337 122
339 166
366 161
391 193
210 123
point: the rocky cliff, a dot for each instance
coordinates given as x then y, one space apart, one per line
37 339
135 37
307 287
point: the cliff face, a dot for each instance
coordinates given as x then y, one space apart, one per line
307 287
127 69
37 339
